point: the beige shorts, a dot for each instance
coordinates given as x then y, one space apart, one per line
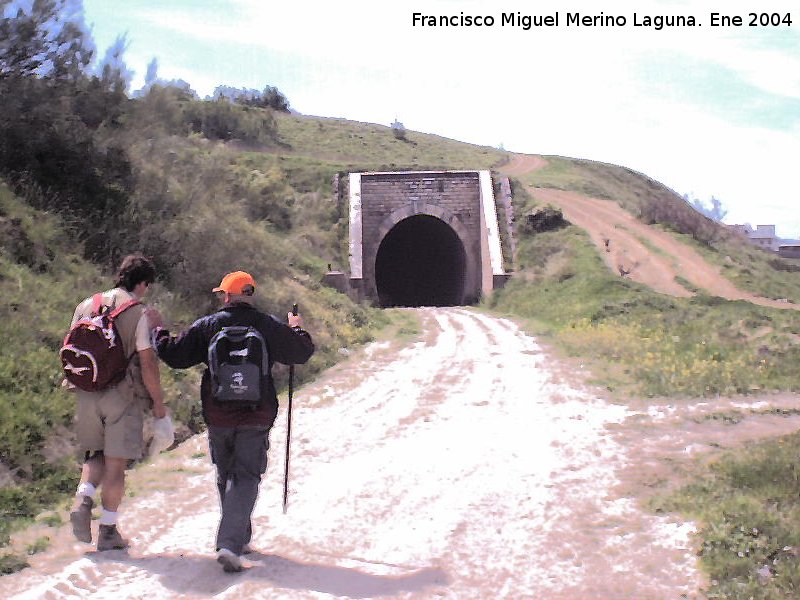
110 421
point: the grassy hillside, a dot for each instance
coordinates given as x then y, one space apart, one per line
641 341
750 268
349 146
38 275
202 207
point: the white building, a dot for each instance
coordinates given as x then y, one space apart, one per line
762 236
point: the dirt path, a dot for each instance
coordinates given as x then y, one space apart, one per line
631 248
458 466
522 164
455 468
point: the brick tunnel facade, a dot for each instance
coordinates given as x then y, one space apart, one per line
422 238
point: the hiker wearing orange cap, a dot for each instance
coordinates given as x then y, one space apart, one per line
237 283
238 344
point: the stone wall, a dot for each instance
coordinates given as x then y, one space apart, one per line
379 201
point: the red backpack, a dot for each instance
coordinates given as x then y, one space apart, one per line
93 356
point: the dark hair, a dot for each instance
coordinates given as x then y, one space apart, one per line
134 269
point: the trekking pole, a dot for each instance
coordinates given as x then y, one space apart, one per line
288 430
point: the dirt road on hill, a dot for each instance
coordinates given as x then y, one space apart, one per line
465 464
522 164
635 250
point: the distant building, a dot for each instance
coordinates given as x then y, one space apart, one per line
762 236
789 250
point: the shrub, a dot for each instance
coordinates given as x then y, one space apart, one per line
12 563
398 130
220 120
676 213
547 218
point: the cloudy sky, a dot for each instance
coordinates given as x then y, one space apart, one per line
707 110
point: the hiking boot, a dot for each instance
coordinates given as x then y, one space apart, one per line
110 539
229 561
246 549
81 519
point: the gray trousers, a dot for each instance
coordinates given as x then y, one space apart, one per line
240 456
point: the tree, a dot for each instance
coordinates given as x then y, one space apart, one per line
715 211
51 109
270 97
180 88
274 99
114 73
48 40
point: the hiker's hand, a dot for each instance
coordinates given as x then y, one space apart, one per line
295 320
163 435
154 318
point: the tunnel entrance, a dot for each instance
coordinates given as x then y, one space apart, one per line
420 262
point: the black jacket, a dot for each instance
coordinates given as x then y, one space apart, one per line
285 345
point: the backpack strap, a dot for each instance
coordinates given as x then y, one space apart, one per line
123 308
97 304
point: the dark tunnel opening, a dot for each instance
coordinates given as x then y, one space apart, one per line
420 262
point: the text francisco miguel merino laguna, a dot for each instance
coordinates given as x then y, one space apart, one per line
574 19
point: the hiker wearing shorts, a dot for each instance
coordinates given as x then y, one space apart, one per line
238 435
109 422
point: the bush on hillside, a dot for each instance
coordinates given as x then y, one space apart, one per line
220 120
547 218
159 112
399 130
265 195
679 215
782 264
270 97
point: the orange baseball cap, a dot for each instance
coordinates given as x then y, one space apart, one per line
234 283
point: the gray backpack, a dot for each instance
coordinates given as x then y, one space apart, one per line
238 365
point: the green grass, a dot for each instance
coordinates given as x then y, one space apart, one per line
350 145
405 324
643 342
751 269
38 278
52 520
748 267
639 343
688 285
748 506
648 244
598 180
40 544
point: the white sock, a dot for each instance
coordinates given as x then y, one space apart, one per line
86 489
108 517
